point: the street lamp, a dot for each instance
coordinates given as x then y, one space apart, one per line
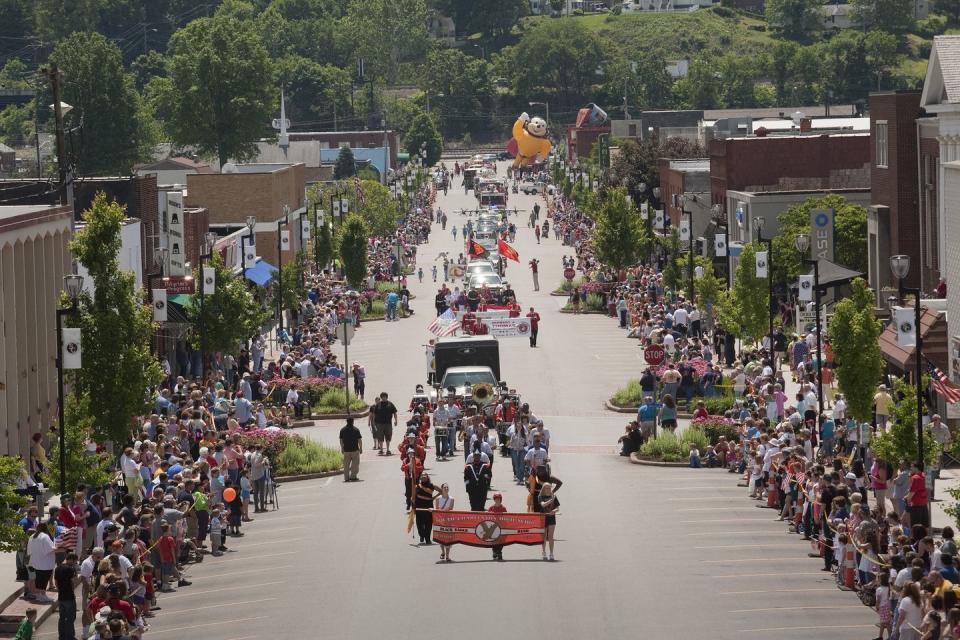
686 212
720 220
900 266
73 285
280 224
248 238
758 224
802 242
206 252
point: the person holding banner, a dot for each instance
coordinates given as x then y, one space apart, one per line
549 504
423 503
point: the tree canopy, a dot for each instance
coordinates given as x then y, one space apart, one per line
855 337
353 249
620 237
423 134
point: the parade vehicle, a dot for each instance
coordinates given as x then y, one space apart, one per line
460 362
469 174
491 191
478 267
491 281
532 188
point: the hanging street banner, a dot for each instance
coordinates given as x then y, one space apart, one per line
822 233
906 330
485 529
70 353
761 257
159 305
805 286
507 327
720 246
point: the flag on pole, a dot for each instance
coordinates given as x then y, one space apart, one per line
943 386
507 251
446 324
477 250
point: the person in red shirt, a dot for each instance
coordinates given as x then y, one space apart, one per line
167 548
116 602
497 507
534 326
410 476
917 502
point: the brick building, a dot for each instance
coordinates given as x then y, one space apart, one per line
260 190
785 163
580 141
33 260
691 179
893 225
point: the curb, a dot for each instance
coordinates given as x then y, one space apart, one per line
309 476
559 294
363 413
43 611
609 406
654 463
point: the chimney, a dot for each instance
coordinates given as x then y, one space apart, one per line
806 125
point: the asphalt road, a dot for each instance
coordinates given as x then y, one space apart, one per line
664 553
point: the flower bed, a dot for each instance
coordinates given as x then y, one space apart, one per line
715 426
671 447
305 456
629 395
273 442
334 401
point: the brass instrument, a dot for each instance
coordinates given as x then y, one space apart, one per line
482 393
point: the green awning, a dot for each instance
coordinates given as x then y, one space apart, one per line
403 157
185 300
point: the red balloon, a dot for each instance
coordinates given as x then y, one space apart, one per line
229 494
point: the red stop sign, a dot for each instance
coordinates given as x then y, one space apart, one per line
654 354
569 273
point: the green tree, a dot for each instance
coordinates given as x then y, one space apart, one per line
353 249
387 33
746 309
636 163
890 16
702 86
16 124
118 367
880 51
850 236
491 19
379 208
855 336
949 8
424 132
619 237
460 90
291 288
805 72
555 57
117 132
82 466
799 20
325 248
12 535
220 95
147 66
345 166
230 315
311 29
899 442
670 246
780 72
314 91
55 19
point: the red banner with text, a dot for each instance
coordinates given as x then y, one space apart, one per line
485 529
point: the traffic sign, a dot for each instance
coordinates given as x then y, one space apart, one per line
569 273
654 354
345 332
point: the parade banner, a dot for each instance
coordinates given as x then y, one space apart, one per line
761 264
485 529
906 331
805 286
508 327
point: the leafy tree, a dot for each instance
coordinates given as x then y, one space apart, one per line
231 314
401 113
899 442
637 161
423 132
670 246
556 57
780 72
738 77
117 327
880 51
147 66
949 8
467 92
15 74
491 19
55 19
379 209
387 33
850 233
311 29
314 91
702 86
890 16
620 237
855 336
291 288
353 249
82 466
16 124
116 131
12 535
220 97
746 308
805 73
711 288
345 166
799 20
325 248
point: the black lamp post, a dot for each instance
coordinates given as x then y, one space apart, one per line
900 266
73 285
280 224
686 212
206 252
245 240
161 261
758 225
802 242
720 221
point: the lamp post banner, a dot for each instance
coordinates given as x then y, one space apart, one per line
762 264
906 327
822 233
70 353
159 305
805 288
720 246
485 529
209 280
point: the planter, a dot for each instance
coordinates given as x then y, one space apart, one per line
585 313
609 406
650 462
309 476
363 413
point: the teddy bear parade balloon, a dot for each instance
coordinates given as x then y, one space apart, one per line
529 142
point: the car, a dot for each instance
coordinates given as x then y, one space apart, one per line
478 267
531 188
491 280
504 155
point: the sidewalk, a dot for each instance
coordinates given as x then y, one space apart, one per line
949 478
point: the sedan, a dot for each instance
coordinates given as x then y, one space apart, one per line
491 280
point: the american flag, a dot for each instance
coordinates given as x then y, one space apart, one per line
361 198
942 385
446 324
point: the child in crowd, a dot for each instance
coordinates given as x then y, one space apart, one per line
694 456
884 610
216 528
497 507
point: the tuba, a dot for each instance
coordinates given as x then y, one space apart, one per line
482 393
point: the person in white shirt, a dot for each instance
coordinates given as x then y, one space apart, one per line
680 318
669 344
839 409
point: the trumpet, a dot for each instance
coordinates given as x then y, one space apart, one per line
482 393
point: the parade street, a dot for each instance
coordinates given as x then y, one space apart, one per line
641 551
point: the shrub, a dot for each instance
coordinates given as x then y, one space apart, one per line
306 456
716 426
931 26
273 442
567 285
671 447
334 401
629 395
595 302
311 387
718 405
376 311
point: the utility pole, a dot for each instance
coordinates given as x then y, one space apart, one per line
54 74
36 108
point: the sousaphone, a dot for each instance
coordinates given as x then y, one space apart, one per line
482 393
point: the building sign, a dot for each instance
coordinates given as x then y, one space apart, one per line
176 239
821 232
179 284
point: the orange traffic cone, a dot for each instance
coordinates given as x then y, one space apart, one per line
849 566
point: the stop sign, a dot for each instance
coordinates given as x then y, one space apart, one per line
569 273
654 354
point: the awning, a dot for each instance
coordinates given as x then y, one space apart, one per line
933 331
175 311
403 157
261 273
832 275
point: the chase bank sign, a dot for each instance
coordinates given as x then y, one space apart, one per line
821 232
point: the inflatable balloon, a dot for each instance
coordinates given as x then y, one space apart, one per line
591 116
529 140
229 494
